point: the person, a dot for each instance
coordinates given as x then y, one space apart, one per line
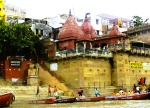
138 89
49 91
96 92
148 88
80 91
121 92
55 91
38 91
134 88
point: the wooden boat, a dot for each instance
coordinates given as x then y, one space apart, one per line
90 99
6 99
42 101
65 100
128 97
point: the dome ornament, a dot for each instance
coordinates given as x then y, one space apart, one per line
70 12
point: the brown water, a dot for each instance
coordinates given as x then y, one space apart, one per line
100 104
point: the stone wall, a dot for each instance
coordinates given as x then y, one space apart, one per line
129 68
85 71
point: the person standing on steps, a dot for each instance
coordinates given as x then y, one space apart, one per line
38 91
49 90
80 91
55 91
96 92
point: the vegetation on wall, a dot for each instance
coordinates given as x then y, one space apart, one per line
19 39
137 20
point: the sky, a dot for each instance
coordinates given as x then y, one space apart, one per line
50 8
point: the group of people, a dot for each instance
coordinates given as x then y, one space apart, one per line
80 92
122 92
49 91
142 88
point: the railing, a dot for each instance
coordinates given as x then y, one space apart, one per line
140 50
118 47
87 52
138 29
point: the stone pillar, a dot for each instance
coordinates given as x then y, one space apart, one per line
76 47
33 75
90 45
84 43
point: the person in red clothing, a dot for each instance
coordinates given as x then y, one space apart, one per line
49 90
55 91
142 81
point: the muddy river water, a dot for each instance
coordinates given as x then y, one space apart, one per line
100 104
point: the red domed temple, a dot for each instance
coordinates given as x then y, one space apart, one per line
71 36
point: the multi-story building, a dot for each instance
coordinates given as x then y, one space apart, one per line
107 22
10 12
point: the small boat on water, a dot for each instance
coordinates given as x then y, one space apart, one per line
6 99
42 101
65 100
134 96
90 99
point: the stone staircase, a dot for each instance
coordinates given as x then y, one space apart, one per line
50 78
24 91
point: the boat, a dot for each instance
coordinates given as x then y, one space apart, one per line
90 99
42 101
134 96
6 99
65 100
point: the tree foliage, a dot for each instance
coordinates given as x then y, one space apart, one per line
137 20
19 40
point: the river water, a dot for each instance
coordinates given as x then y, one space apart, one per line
100 104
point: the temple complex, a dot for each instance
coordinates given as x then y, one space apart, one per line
87 60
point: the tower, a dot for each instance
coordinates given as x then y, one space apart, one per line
2 14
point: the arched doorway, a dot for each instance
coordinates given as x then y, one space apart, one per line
96 46
103 45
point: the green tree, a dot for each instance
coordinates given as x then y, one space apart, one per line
137 20
19 40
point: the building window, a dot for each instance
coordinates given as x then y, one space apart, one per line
42 32
97 21
37 31
97 32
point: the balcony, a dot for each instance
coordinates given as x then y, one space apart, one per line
140 50
94 52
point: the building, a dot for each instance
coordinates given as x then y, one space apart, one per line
11 13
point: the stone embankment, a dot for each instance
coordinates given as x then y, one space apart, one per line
21 92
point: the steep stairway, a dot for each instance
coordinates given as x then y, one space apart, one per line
50 78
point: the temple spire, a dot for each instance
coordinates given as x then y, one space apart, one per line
85 15
69 12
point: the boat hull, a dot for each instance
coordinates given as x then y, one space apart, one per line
42 101
128 97
90 99
65 100
6 99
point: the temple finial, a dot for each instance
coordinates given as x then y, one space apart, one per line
114 23
69 12
85 15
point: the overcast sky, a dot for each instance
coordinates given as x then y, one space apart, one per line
50 8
